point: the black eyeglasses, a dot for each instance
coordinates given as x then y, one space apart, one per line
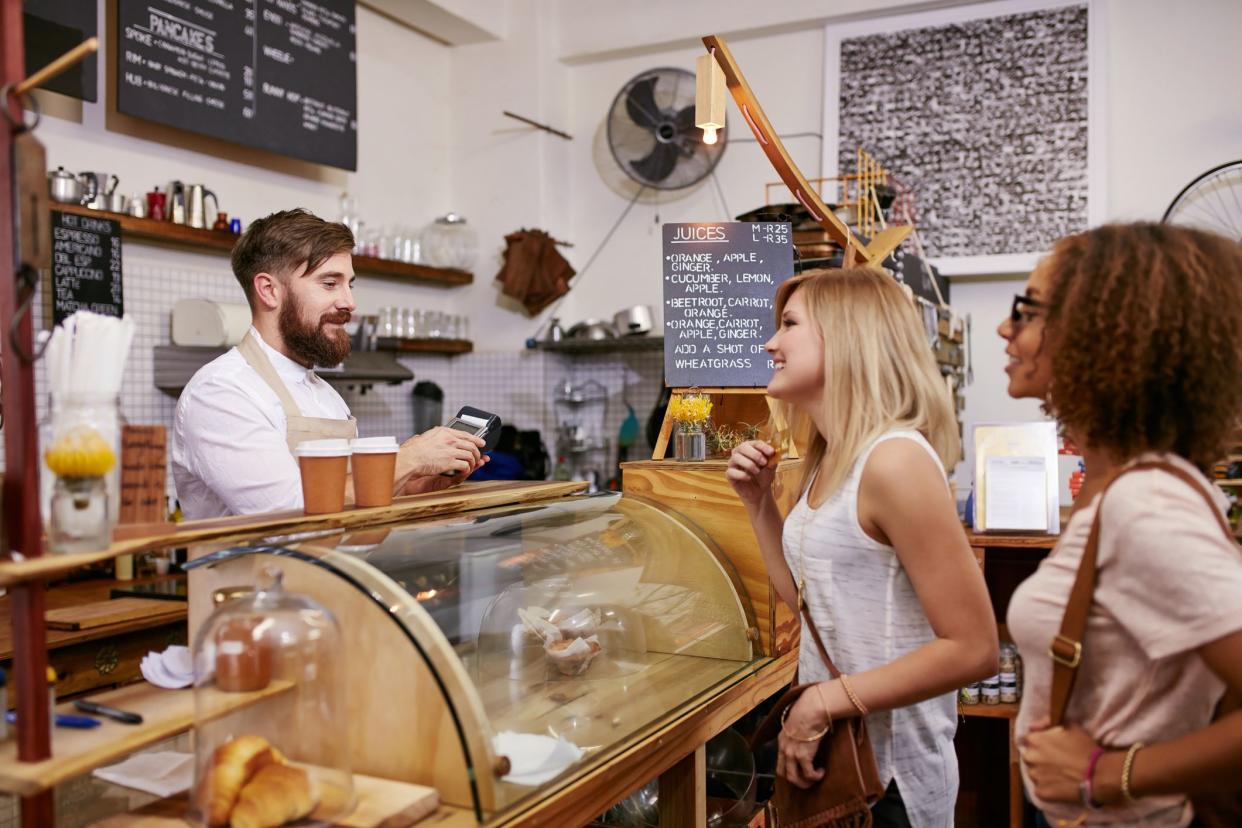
1019 300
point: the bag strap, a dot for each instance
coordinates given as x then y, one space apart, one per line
819 643
1066 647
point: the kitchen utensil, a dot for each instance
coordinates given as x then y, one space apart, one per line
196 196
592 330
157 205
116 203
633 321
174 210
98 186
222 223
137 206
555 332
64 186
450 242
205 323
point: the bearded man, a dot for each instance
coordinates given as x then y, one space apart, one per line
241 416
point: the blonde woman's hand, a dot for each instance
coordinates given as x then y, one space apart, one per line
751 471
795 759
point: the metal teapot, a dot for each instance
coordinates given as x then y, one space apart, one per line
64 186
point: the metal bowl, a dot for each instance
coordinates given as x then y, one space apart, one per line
592 330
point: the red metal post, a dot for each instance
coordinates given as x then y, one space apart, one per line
21 506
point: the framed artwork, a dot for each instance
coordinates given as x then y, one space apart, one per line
990 114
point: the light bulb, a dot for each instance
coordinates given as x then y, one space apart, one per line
709 135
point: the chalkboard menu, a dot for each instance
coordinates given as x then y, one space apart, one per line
52 27
720 282
86 266
275 74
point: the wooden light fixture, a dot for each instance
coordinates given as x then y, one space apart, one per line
709 96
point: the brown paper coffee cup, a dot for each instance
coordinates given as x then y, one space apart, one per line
324 465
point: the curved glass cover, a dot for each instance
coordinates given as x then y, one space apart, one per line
582 622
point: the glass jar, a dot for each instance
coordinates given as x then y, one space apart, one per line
690 442
449 242
80 442
269 703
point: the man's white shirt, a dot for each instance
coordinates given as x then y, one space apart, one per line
230 455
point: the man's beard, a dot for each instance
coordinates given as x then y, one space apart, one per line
310 343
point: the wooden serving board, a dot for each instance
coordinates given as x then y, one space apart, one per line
382 803
115 611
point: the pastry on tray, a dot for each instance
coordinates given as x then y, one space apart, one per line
248 784
572 656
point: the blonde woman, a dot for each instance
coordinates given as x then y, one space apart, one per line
874 540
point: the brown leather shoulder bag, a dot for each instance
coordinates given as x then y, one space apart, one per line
1216 811
851 783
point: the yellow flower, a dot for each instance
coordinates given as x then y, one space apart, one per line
692 408
80 452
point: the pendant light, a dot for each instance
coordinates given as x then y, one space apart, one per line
709 96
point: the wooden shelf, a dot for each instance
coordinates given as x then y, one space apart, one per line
424 346
1228 482
180 235
166 713
604 346
989 711
150 537
1003 541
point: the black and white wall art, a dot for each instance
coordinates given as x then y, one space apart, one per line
985 111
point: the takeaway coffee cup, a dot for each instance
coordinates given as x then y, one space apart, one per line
324 464
375 468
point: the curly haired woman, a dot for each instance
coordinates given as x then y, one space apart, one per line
873 547
1132 336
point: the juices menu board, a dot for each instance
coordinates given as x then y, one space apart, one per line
279 75
720 284
86 266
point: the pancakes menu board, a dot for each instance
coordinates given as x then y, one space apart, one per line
279 75
86 266
720 283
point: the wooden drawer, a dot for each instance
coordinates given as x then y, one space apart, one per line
106 661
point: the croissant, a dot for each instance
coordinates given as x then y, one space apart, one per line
277 794
232 766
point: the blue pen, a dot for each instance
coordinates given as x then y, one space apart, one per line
62 720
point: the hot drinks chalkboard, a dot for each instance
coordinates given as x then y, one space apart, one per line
86 266
720 281
275 74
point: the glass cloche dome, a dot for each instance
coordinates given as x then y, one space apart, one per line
270 711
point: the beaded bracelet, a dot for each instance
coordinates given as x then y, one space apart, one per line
854 700
1125 771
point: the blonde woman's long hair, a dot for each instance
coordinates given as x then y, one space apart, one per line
879 371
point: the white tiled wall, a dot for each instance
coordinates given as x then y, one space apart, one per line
518 386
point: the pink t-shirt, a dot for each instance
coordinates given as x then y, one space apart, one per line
1169 582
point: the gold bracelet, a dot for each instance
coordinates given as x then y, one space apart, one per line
1126 767
815 738
819 688
854 700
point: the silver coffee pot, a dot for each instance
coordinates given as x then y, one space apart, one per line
196 196
64 186
98 189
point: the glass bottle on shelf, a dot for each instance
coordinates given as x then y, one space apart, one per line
269 693
450 242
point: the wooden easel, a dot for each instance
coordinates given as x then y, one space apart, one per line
730 406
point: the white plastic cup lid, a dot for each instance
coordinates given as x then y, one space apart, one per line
323 448
374 445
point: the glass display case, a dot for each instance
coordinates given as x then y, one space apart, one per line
498 654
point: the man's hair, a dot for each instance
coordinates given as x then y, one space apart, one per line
280 244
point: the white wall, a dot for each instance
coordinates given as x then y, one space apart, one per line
403 157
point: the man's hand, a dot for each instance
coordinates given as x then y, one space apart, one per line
441 450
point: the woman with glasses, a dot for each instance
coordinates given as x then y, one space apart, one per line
1131 335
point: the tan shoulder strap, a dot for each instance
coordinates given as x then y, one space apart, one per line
1066 647
819 643
252 352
